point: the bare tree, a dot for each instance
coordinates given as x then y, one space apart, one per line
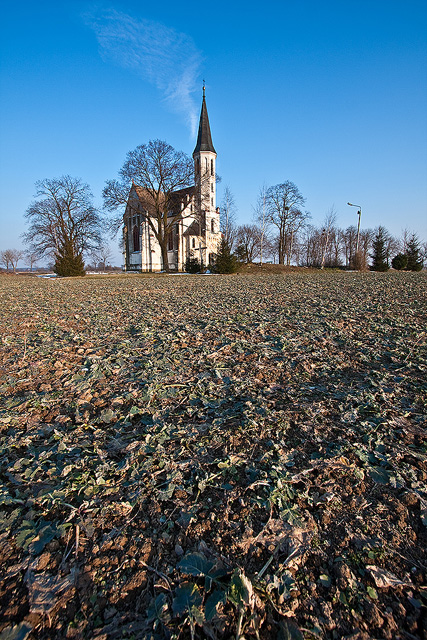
283 202
272 246
6 258
391 244
260 211
404 240
15 256
349 238
63 220
335 249
248 240
298 221
328 244
304 245
366 237
356 259
159 170
228 217
11 257
101 256
31 259
310 249
328 226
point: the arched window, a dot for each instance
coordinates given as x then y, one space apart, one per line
193 243
212 226
206 164
135 234
212 168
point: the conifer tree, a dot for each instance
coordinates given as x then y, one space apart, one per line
379 255
399 261
192 265
225 261
68 263
413 253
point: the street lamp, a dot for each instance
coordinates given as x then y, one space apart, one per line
323 242
359 213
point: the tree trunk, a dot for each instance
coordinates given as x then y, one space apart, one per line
281 251
164 248
290 248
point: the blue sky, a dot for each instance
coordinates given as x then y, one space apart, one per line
331 95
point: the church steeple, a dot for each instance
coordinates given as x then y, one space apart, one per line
204 138
204 156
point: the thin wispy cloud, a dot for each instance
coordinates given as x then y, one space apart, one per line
160 55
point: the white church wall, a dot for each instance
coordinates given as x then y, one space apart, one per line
200 199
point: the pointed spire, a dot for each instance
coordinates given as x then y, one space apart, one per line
204 138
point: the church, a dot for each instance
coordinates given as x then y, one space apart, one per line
196 229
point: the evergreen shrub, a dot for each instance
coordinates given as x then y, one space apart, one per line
379 255
399 261
226 262
69 262
415 262
193 265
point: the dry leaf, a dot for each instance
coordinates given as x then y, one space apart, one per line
384 579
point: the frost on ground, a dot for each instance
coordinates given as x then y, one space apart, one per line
239 456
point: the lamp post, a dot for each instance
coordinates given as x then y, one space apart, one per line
359 213
263 225
286 210
323 243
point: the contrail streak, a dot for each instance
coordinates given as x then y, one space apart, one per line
167 59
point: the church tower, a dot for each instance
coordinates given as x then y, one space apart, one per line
204 156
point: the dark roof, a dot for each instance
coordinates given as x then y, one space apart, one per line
187 191
204 138
143 196
178 197
193 229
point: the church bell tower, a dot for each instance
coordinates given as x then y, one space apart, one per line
204 156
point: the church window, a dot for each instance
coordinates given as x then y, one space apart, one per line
170 240
135 234
212 201
212 188
193 243
212 168
213 226
206 164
